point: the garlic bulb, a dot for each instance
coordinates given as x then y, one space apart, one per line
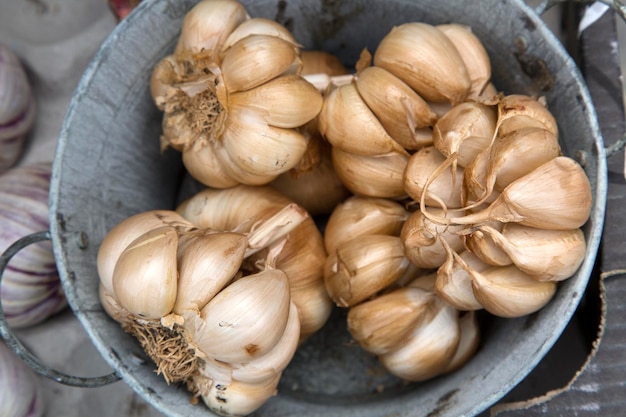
20 391
17 108
232 97
31 288
394 311
181 295
218 299
499 218
388 111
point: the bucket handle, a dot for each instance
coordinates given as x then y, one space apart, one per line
18 348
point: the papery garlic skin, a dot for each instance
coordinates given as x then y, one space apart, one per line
232 86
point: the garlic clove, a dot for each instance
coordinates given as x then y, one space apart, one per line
429 349
398 108
313 182
286 102
314 307
422 240
426 59
126 231
360 216
206 264
490 94
485 248
466 129
475 180
241 176
257 149
148 266
506 291
348 124
207 25
454 285
470 340
440 108
444 188
473 54
258 26
526 107
245 320
162 80
276 360
362 267
372 176
239 399
546 255
204 165
518 153
425 282
380 324
112 306
321 62
256 59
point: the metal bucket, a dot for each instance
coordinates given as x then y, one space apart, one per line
108 166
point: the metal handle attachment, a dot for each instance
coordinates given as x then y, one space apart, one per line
18 348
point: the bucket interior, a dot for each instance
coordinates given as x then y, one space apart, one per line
108 166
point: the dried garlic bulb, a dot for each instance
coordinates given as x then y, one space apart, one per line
313 182
388 111
500 207
213 306
394 311
232 97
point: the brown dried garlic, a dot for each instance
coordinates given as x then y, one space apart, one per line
387 112
232 97
220 301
